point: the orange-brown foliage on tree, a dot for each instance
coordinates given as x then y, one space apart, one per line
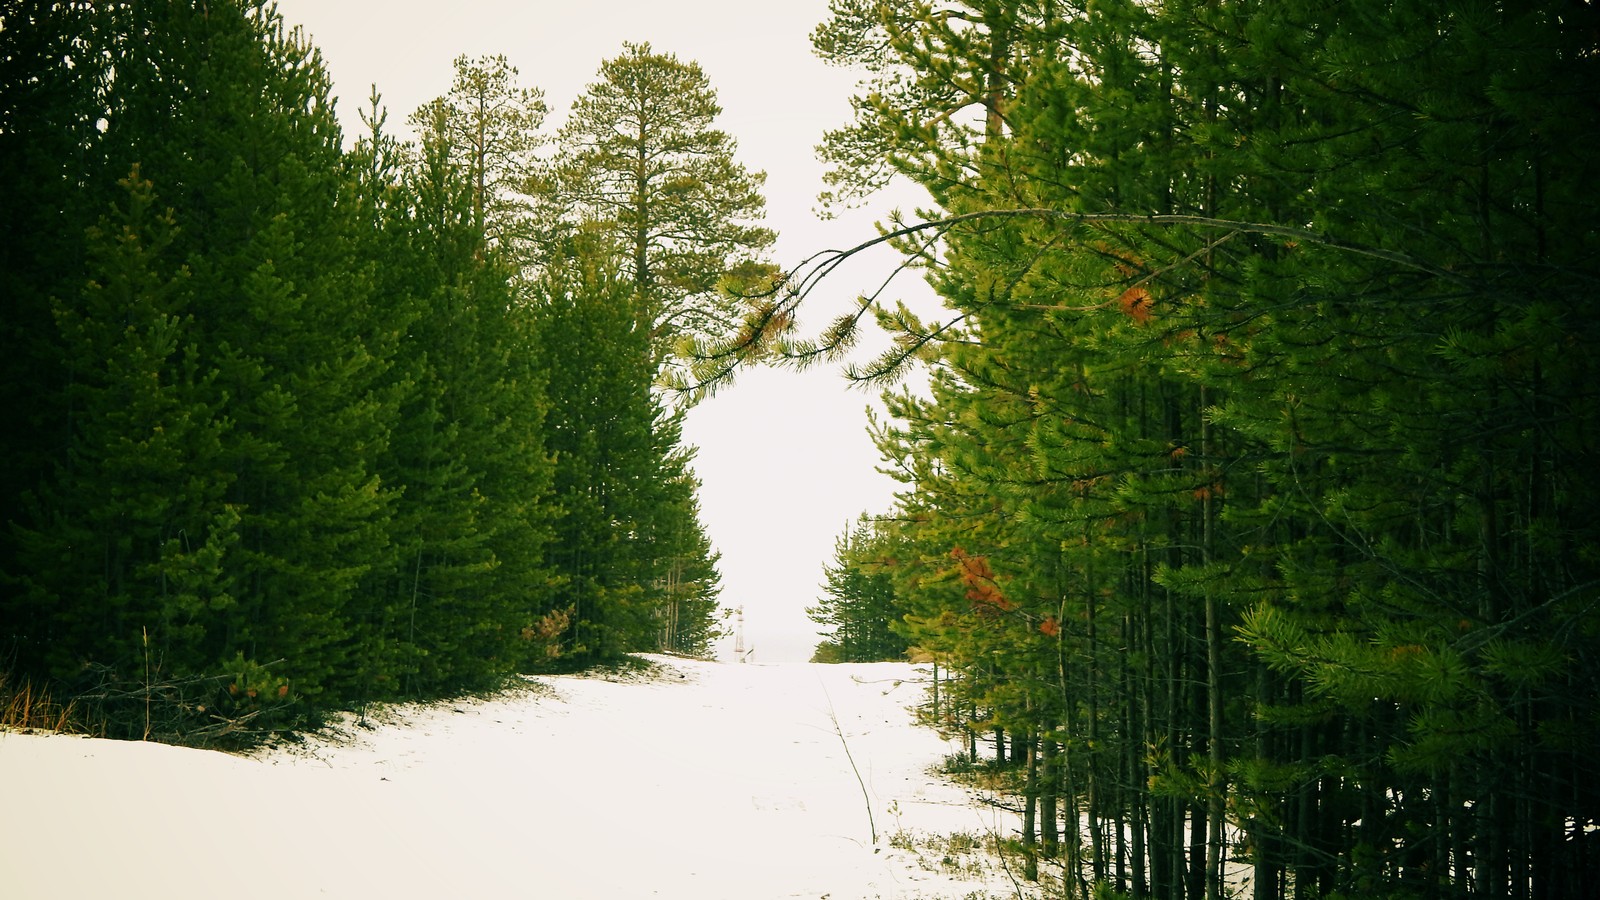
982 589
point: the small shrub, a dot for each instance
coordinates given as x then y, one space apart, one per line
232 710
983 774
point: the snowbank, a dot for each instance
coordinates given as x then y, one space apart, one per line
710 781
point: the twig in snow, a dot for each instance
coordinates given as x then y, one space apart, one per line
834 718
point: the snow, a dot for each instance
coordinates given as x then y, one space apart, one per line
702 780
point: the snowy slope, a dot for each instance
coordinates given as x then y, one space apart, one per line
712 781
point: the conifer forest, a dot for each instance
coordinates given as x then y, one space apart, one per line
1249 520
302 422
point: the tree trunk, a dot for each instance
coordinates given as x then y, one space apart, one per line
1030 802
1093 800
1049 788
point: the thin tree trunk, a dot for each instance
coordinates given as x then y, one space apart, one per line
1217 787
1030 801
1264 862
1073 882
1049 789
1097 847
1138 794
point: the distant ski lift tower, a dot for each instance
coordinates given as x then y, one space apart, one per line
738 635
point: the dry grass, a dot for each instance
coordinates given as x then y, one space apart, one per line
960 854
27 707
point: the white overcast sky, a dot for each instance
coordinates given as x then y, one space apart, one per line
784 458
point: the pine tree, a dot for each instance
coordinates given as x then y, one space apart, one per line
488 128
640 159
285 322
593 345
245 448
52 84
128 532
858 606
1188 422
684 582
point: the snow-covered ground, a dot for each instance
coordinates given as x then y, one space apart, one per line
704 781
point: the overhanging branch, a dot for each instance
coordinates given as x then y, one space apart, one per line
775 312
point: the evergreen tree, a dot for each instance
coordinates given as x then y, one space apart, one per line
859 606
459 603
53 83
260 410
290 430
286 323
127 534
640 158
600 432
1176 416
684 580
488 128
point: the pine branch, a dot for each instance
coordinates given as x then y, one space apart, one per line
829 260
759 339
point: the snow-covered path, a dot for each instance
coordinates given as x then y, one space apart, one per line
715 781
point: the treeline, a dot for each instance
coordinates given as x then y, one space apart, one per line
1251 509
294 426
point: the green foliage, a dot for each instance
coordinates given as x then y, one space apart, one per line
641 162
1251 471
631 557
282 401
251 690
859 607
487 129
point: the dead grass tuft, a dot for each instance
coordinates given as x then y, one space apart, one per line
25 706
